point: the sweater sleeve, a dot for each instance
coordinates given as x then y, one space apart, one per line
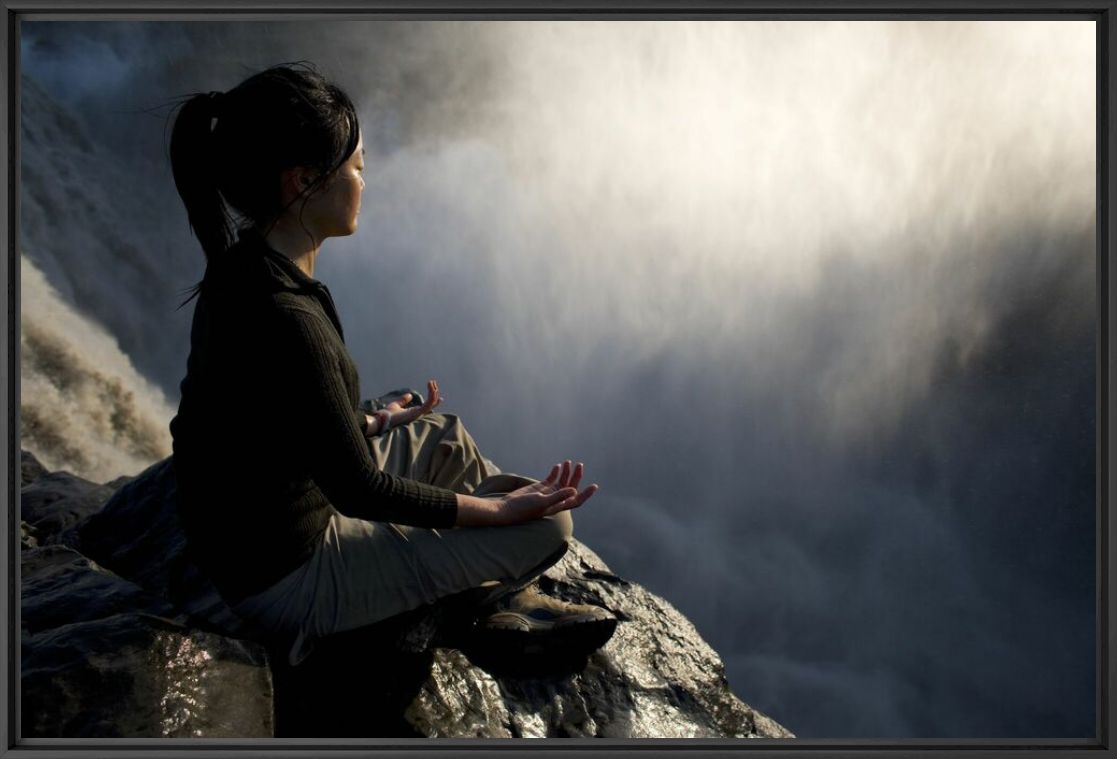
362 421
341 464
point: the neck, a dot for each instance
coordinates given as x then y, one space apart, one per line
295 243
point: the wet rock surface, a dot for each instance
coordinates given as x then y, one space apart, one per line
102 657
655 677
123 637
107 656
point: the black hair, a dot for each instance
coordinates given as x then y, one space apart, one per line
229 149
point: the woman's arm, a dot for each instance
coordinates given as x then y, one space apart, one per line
325 428
342 467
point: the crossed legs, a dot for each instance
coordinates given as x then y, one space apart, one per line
364 571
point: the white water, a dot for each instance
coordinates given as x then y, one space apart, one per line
83 406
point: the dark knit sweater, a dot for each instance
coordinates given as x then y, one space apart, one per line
268 440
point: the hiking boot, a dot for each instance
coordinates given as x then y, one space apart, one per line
533 615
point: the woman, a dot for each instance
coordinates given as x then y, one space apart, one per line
310 516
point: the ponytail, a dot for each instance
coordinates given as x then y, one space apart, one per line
196 163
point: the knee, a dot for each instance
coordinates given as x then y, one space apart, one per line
451 427
562 526
547 534
550 537
439 419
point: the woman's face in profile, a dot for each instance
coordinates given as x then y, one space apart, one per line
335 209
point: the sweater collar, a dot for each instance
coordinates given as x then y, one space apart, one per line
286 275
287 271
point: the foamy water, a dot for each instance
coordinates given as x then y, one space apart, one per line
83 406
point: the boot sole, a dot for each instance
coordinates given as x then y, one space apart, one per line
571 638
558 652
515 621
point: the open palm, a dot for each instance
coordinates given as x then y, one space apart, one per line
402 415
558 492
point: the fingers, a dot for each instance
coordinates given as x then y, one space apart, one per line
576 475
554 500
552 478
585 495
573 500
434 397
560 474
572 475
565 474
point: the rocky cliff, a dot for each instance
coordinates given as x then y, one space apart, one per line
123 637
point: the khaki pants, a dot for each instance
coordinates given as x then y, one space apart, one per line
364 572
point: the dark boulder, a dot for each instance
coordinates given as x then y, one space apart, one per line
102 657
56 501
138 535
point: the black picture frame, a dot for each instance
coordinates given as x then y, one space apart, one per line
1100 11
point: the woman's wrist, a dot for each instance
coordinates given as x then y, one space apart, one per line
383 419
474 511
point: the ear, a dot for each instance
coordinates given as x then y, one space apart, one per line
294 181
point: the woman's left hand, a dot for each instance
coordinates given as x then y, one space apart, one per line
403 415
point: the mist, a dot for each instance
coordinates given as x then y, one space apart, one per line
815 302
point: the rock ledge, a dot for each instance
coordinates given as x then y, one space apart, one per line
123 637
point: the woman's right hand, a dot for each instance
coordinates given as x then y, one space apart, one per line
558 492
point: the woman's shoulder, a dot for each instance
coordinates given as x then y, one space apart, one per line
243 272
293 306
299 312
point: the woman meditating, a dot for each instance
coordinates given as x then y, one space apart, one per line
310 516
